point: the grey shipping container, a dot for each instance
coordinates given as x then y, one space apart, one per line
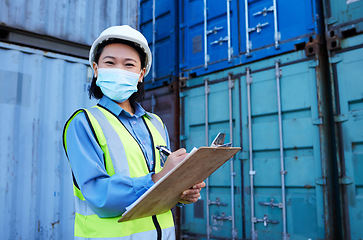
38 91
62 26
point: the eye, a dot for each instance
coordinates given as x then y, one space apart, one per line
109 62
129 65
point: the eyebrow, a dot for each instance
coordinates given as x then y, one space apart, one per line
108 57
126 59
130 59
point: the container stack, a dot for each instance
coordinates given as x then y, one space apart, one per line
282 79
265 72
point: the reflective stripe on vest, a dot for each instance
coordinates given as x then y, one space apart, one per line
122 155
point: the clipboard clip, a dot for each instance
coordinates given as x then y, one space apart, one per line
219 141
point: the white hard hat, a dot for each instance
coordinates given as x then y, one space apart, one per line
124 32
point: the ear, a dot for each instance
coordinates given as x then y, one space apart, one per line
142 74
95 69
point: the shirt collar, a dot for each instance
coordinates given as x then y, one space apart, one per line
117 110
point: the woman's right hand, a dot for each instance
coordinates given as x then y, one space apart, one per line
173 159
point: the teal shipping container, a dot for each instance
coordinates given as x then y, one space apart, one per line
279 186
346 72
344 17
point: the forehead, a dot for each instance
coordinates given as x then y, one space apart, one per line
119 50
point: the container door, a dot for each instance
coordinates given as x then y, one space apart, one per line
158 23
348 72
206 35
271 27
282 167
208 110
39 91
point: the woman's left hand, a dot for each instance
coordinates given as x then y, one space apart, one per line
192 195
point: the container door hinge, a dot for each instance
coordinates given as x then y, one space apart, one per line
346 180
182 94
183 137
182 25
336 59
320 181
340 118
317 121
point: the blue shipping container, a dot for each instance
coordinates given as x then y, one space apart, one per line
159 24
38 92
221 34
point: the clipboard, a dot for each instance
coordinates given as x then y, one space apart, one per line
164 194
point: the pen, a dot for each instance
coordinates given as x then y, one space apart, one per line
163 150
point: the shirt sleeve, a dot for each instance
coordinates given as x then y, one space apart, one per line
108 196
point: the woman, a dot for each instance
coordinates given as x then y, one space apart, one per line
111 147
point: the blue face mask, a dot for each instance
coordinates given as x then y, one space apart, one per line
117 84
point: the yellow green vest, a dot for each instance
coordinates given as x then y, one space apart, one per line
122 154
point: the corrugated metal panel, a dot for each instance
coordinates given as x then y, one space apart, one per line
343 19
301 141
79 21
38 92
164 102
159 24
212 39
344 16
347 71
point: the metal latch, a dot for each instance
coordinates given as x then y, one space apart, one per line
265 220
340 118
258 27
217 202
215 30
220 41
221 217
264 11
271 204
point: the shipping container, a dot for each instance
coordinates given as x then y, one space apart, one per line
164 101
159 24
277 187
343 19
346 71
38 92
215 35
79 21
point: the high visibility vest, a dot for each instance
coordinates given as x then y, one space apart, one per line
123 155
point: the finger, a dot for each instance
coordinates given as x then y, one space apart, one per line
199 185
190 199
190 195
191 191
180 151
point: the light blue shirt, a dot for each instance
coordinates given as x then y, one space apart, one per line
108 196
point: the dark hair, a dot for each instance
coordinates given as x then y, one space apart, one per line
95 91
